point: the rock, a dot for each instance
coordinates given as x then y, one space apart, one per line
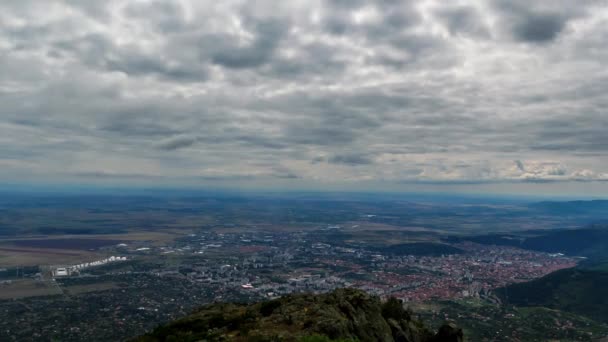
344 314
449 333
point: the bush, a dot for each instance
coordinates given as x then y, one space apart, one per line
393 308
267 308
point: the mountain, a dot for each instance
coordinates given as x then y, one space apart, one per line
580 290
342 315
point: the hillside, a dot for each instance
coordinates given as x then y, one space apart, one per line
482 320
583 291
342 315
591 242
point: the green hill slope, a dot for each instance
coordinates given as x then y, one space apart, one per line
579 290
590 242
342 315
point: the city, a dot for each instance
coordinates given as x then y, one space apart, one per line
142 285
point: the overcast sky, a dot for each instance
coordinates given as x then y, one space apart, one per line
337 93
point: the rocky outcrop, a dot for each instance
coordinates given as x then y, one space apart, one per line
342 315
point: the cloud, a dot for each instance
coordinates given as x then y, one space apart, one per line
177 143
548 171
538 22
114 175
350 159
539 28
259 51
326 91
100 51
463 20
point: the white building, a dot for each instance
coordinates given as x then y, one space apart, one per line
61 272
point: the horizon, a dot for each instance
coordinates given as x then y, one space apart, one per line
420 195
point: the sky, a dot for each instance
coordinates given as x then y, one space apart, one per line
490 96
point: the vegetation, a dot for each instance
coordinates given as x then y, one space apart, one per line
342 315
484 321
582 291
591 242
420 248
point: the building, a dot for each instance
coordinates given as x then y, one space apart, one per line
61 272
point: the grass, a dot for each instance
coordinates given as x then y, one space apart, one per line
27 288
79 289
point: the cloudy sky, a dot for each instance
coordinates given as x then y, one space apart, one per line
337 93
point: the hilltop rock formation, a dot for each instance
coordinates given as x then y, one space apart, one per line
342 315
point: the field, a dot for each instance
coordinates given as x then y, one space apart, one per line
22 215
70 244
79 289
11 257
70 249
28 288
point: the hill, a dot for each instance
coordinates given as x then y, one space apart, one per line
583 291
590 242
483 320
342 315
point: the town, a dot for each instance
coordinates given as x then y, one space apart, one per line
140 285
269 265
